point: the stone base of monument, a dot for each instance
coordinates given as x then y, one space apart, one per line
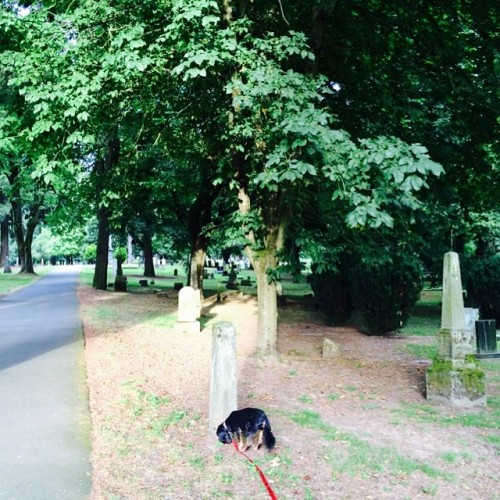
456 384
188 327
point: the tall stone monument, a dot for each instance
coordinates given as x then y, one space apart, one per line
455 377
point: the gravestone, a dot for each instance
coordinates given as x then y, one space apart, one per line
330 349
455 378
223 387
471 316
189 310
233 283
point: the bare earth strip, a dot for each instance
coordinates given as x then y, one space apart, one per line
350 428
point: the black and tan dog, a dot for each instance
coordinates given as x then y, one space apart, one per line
247 424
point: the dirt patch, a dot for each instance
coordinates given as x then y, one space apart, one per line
357 426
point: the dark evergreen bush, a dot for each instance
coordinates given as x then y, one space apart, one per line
385 293
332 295
483 285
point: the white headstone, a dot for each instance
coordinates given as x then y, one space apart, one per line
189 305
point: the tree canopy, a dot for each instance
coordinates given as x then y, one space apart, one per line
312 125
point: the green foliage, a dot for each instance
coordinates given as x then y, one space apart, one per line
90 253
484 286
385 293
120 254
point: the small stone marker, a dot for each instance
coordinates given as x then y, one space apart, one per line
455 377
223 388
189 310
330 349
471 316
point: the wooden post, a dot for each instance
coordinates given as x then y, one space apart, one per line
223 395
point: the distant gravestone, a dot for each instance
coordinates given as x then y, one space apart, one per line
233 283
7 270
223 386
455 378
330 349
189 310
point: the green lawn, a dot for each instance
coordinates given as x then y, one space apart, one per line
425 319
12 281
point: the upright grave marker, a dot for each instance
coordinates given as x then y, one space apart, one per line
455 378
189 310
223 393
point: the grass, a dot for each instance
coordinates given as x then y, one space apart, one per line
165 279
425 319
422 351
487 418
359 458
13 281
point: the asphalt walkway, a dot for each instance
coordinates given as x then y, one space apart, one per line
44 416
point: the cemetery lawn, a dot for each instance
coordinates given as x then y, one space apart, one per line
353 427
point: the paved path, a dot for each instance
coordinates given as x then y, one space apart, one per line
44 418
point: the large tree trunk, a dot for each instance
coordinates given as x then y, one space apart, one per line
4 242
4 235
101 262
265 261
197 264
198 218
28 241
102 167
17 224
24 239
147 248
267 302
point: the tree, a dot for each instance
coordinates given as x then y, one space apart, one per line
280 139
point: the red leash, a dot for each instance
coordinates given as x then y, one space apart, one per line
261 474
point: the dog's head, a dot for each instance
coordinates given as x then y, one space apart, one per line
224 435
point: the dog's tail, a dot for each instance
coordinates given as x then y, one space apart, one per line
269 439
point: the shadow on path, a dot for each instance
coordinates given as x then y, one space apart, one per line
44 422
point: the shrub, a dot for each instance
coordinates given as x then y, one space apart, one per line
90 253
332 296
385 293
483 285
120 254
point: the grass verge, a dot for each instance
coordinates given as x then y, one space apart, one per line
12 281
358 457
